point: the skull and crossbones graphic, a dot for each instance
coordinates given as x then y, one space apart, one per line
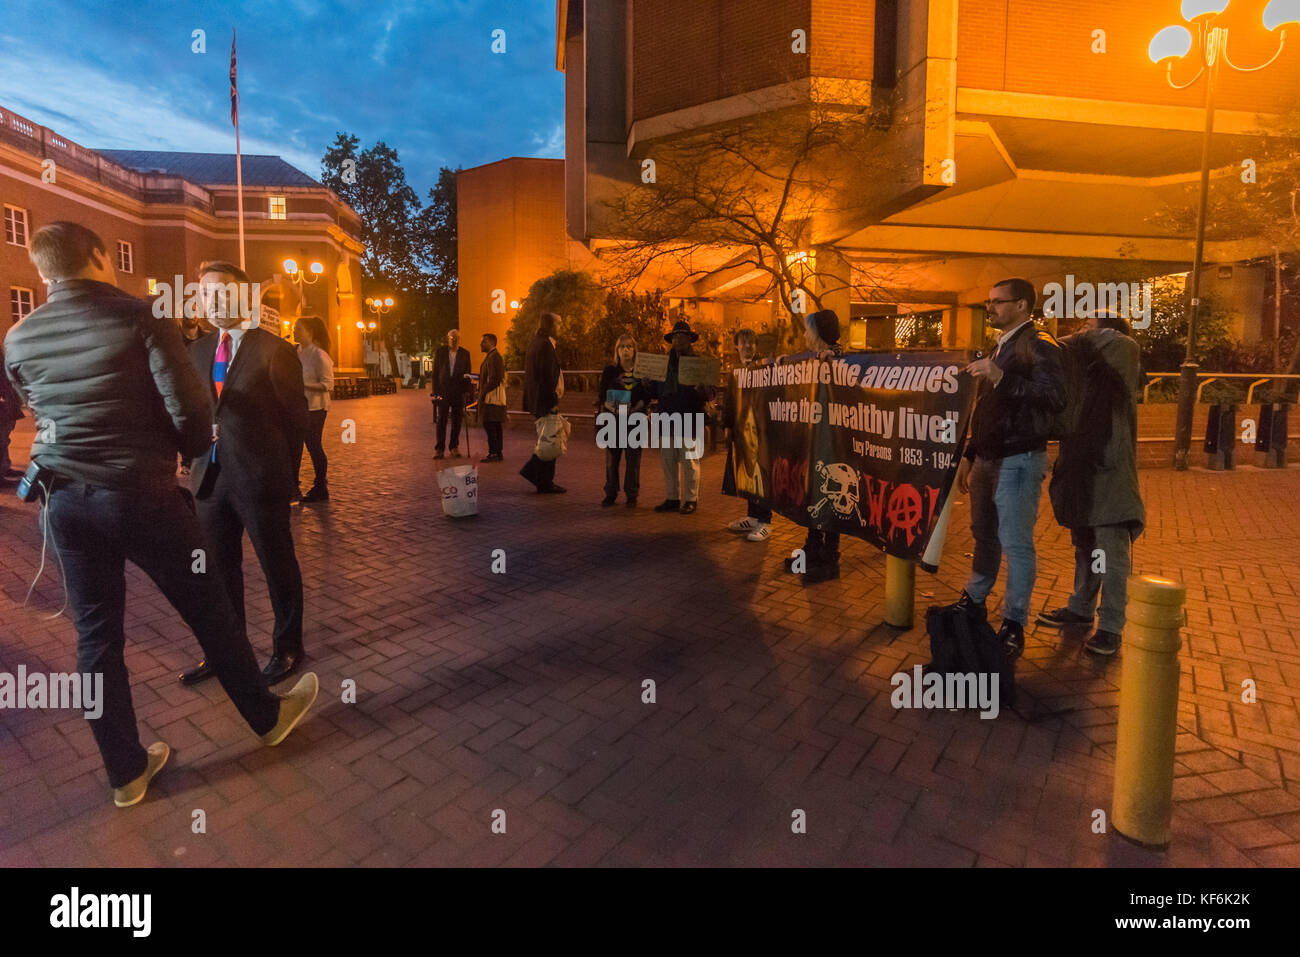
839 490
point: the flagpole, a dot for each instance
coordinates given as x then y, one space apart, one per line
239 191
239 160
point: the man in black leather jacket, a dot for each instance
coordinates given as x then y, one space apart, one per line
116 398
1021 393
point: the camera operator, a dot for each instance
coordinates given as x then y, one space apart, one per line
116 398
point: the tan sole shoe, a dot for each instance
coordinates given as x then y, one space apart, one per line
134 791
293 707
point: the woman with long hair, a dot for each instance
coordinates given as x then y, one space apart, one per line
619 387
313 340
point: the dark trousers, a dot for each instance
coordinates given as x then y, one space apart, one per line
225 515
760 513
495 437
822 548
442 410
319 464
631 471
97 530
541 474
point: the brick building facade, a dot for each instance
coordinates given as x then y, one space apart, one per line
163 213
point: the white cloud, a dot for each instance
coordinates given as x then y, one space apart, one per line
96 110
550 145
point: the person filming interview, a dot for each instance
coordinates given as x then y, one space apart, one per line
116 400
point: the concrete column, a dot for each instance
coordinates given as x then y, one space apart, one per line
963 327
835 279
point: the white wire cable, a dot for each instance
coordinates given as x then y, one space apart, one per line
45 540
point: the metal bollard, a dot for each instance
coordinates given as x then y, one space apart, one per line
1143 799
900 591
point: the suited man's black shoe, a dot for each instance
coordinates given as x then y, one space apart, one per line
282 666
195 675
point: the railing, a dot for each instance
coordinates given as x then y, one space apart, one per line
1205 378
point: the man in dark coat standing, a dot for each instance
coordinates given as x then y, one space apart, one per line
450 387
1094 487
542 389
249 477
491 396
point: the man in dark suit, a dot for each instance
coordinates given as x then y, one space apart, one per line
450 387
248 479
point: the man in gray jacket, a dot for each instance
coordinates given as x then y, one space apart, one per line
1094 487
116 398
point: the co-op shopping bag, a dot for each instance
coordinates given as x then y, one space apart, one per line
459 486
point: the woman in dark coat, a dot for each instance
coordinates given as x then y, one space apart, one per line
542 388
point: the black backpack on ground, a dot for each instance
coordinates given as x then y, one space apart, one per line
962 642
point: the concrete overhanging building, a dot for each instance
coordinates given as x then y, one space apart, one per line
163 213
509 233
1016 138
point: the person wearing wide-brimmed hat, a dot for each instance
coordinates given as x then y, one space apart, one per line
681 473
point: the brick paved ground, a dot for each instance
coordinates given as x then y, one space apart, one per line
522 692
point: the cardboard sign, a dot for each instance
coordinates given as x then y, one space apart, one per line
698 370
651 365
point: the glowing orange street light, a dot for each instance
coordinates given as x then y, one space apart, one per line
1169 46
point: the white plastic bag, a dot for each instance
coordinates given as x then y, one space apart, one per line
459 490
552 436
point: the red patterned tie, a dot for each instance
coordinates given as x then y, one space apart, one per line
220 363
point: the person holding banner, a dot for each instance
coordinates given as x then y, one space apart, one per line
619 387
1021 392
672 396
744 471
821 547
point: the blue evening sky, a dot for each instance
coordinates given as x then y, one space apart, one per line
418 74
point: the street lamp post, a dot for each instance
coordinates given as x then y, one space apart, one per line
1168 46
378 307
301 278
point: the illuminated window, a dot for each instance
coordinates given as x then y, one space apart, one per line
15 226
278 207
125 260
20 302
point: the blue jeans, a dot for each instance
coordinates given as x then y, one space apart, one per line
1004 497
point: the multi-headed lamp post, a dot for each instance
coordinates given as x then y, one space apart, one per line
301 278
1172 45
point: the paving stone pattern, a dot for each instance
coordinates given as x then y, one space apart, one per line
523 691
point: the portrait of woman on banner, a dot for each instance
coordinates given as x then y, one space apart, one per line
746 461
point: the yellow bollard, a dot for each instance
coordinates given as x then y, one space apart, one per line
900 589
1143 800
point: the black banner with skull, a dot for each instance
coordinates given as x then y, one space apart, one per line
865 444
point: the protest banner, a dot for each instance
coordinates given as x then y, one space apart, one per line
651 365
698 370
865 444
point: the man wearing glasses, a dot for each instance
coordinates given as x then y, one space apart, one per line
1021 391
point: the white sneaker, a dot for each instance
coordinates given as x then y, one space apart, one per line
760 534
743 525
